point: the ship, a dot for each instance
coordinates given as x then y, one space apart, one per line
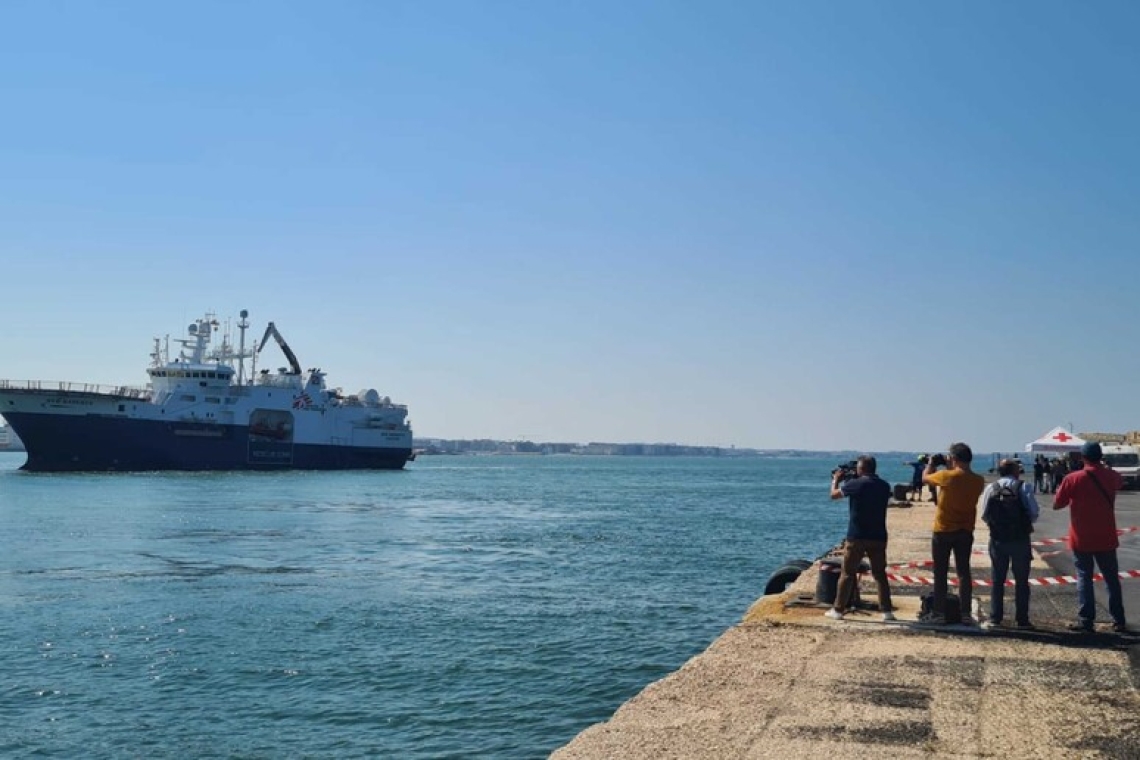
208 408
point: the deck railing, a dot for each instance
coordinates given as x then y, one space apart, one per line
62 386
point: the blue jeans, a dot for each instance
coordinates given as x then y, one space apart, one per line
1086 599
1017 553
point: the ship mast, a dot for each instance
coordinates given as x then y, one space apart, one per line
243 325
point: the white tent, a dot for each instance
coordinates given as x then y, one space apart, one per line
1057 439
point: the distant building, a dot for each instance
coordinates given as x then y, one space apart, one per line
1131 437
594 448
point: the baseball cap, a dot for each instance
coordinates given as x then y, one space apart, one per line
1091 451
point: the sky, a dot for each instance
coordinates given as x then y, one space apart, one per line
825 225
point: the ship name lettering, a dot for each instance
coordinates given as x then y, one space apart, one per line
271 454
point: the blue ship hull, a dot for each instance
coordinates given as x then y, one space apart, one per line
71 443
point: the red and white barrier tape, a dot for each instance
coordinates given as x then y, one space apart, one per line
1060 580
918 563
922 562
1065 539
980 550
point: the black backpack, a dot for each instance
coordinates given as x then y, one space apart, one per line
951 610
1007 517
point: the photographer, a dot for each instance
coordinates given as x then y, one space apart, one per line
866 532
954 518
918 465
1091 494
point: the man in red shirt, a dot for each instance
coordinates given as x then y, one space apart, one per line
1091 492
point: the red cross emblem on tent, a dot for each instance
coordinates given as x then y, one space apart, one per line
1063 437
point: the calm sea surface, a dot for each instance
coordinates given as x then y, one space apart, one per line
466 607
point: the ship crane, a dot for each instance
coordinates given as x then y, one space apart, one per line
271 329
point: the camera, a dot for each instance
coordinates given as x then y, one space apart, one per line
845 471
938 460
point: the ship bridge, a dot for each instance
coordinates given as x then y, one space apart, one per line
200 375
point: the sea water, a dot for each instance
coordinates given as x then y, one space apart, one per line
466 607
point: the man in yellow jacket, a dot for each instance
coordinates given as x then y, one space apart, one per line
958 490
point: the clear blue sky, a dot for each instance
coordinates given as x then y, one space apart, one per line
811 225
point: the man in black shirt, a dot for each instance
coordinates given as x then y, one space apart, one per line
866 534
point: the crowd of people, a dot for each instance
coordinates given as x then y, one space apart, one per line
1080 483
1048 473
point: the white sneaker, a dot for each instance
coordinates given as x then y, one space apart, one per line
834 614
888 617
989 625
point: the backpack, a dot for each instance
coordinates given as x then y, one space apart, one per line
1006 515
951 610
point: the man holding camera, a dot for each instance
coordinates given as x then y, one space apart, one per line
1091 495
954 517
919 464
868 495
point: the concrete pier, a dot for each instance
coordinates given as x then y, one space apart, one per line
787 682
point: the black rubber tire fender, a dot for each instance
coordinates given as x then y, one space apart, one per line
785 575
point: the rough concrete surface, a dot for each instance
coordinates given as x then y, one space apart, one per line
789 683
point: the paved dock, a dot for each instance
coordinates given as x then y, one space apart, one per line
787 682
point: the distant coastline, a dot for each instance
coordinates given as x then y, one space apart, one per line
444 446
484 446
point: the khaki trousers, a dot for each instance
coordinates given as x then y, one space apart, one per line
853 552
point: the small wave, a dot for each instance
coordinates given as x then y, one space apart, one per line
204 569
